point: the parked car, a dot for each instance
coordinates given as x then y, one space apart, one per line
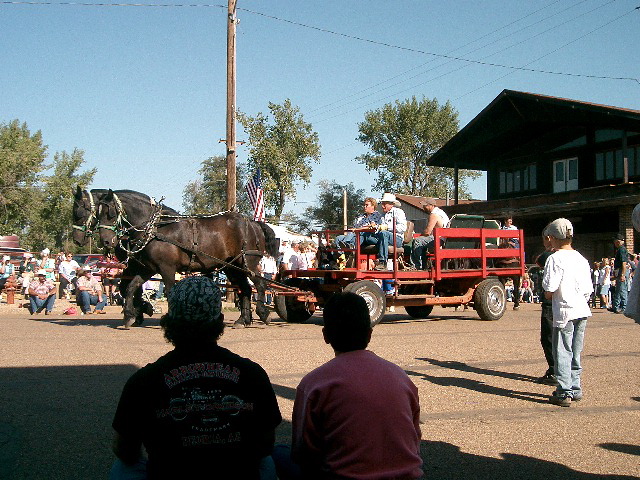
89 261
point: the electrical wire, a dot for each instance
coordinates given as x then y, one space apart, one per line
325 30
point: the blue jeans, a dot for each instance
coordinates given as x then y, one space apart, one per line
383 240
567 346
85 300
348 238
619 302
38 304
420 245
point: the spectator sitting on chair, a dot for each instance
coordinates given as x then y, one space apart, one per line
89 292
6 270
67 274
437 218
42 293
47 264
333 432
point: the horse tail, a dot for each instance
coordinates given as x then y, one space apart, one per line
270 240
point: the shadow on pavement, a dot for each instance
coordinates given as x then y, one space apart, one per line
464 367
481 387
445 461
622 448
55 422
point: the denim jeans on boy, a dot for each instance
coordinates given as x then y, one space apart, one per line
567 346
36 304
85 300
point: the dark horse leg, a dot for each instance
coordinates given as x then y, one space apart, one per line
517 281
131 290
245 298
261 309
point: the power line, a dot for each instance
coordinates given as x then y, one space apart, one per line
331 32
440 55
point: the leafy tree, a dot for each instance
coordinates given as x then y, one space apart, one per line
402 137
22 157
34 205
283 146
328 209
54 227
209 194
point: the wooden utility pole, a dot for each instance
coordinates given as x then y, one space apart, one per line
231 106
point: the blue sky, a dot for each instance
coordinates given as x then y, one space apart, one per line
142 90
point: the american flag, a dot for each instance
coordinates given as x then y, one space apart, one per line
256 195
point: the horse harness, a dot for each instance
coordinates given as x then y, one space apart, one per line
86 228
150 231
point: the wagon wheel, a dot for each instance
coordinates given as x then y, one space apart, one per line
291 310
373 295
490 299
288 308
419 311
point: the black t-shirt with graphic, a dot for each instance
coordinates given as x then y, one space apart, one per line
209 411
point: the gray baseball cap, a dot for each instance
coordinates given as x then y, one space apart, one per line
560 228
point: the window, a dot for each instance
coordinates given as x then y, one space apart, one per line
517 180
610 164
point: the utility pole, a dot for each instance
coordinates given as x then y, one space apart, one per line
231 105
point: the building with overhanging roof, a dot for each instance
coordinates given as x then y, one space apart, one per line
549 157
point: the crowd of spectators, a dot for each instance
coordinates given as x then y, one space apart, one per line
43 278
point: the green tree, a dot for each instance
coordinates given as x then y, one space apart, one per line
402 137
283 146
328 209
34 205
208 194
53 227
22 157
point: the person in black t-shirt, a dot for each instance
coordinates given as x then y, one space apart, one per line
200 411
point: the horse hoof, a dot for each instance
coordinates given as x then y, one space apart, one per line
516 307
238 324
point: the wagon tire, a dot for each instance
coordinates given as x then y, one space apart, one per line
291 310
419 311
373 295
490 299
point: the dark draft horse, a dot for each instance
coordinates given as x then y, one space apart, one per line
153 238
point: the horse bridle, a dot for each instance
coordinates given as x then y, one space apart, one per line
120 228
86 228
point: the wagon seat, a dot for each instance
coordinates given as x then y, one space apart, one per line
405 250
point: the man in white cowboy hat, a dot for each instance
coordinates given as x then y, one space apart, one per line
437 218
383 237
42 293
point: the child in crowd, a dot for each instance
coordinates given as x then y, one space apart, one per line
567 283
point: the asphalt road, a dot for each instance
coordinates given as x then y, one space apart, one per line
482 414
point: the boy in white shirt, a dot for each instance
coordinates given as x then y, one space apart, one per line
567 283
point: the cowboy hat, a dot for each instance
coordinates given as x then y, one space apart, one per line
389 198
42 271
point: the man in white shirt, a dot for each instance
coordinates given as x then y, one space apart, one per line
437 218
67 273
383 237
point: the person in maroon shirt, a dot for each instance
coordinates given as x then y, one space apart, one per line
334 434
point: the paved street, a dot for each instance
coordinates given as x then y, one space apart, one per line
483 417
